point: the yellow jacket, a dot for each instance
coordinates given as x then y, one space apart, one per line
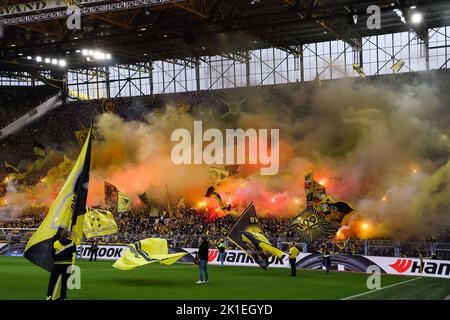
293 252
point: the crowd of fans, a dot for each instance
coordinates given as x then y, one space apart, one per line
17 101
56 129
23 222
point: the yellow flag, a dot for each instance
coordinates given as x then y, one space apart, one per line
154 212
81 136
124 203
83 133
10 169
268 248
359 70
62 170
147 251
262 242
247 235
398 65
66 212
38 149
78 95
181 205
99 222
218 175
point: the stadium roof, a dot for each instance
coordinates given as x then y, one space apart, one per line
142 30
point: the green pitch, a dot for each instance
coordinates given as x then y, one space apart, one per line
20 279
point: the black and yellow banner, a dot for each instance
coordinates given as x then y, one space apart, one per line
10 169
82 134
211 192
111 195
147 251
181 203
146 200
322 216
248 236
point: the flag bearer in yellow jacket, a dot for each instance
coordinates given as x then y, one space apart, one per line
293 253
63 253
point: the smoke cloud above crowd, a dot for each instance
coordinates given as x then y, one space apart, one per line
383 148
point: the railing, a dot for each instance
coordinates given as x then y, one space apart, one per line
353 246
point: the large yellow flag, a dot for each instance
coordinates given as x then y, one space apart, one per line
67 212
147 251
99 223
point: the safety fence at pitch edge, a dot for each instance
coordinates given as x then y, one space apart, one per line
340 262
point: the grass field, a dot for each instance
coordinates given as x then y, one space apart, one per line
20 279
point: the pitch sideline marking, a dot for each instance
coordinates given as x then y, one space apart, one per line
371 291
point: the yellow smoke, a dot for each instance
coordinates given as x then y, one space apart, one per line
382 148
